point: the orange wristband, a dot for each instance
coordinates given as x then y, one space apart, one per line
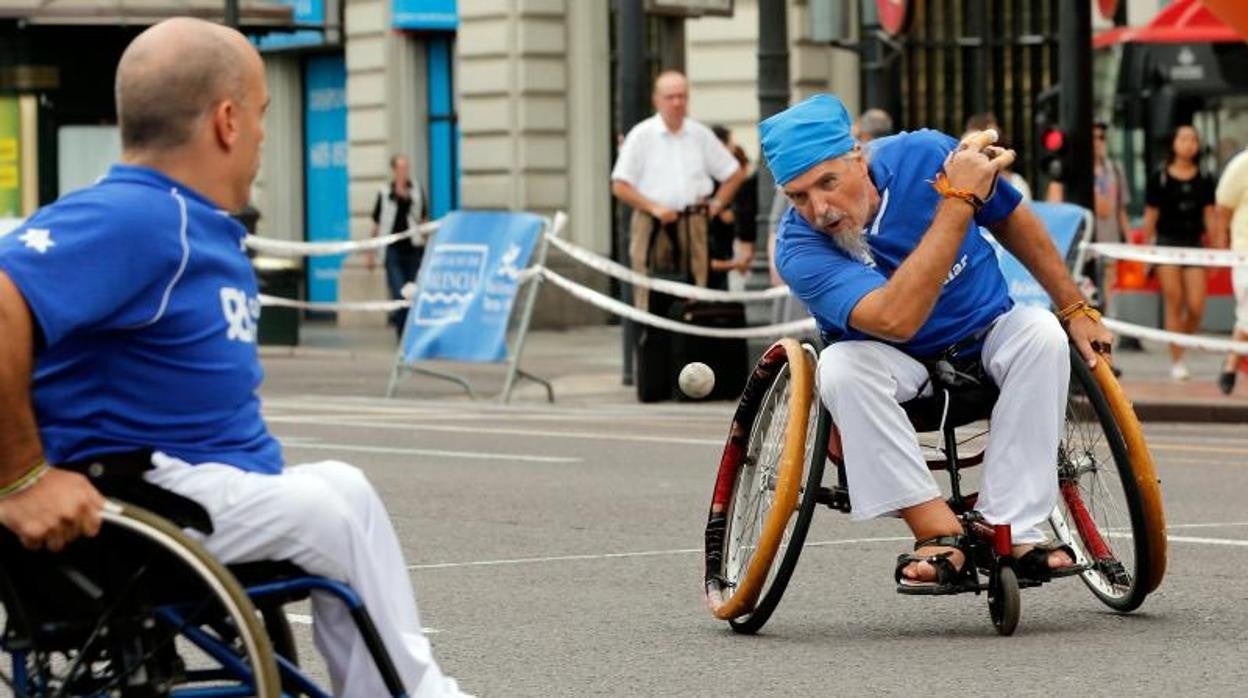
1065 315
942 187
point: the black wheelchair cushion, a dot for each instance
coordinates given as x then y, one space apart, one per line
265 571
966 405
120 475
971 395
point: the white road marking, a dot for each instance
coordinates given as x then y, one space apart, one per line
304 619
1208 541
811 544
1195 448
479 431
714 412
640 553
301 444
327 410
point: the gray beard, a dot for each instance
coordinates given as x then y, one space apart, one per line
854 244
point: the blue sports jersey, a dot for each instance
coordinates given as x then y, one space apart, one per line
831 283
148 309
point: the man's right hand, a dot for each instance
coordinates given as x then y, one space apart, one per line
975 164
664 214
59 508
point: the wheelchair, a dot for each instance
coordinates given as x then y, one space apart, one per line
142 610
771 478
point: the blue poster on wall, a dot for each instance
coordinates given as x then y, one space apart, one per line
427 15
325 161
467 286
307 13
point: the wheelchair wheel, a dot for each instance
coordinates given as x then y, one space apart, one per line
142 610
819 427
765 490
1004 604
1109 509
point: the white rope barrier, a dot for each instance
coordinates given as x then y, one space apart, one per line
1190 341
1185 256
674 288
623 309
1157 254
317 249
364 306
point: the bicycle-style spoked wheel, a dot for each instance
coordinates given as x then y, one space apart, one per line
1109 508
818 428
141 610
754 509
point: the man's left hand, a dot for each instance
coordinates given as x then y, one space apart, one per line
1090 337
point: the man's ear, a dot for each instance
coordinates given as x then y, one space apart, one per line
225 123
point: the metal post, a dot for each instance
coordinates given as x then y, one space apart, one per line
631 107
672 44
231 13
974 70
880 84
1075 64
1123 130
773 94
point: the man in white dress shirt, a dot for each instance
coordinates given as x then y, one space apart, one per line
666 171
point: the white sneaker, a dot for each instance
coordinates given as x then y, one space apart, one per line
1179 372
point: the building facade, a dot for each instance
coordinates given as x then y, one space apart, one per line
533 109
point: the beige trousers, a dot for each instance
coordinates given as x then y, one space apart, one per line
689 253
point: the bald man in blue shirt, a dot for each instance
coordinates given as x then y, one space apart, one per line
129 311
882 246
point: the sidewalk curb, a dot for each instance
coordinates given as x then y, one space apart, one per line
1190 412
306 352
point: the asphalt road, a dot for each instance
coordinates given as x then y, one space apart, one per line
557 551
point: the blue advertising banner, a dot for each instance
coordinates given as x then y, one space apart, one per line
306 13
325 160
1064 223
427 15
467 286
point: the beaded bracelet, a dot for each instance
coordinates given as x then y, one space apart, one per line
1065 315
944 188
26 481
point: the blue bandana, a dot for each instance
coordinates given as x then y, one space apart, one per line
805 135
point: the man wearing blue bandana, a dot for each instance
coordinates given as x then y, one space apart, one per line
882 246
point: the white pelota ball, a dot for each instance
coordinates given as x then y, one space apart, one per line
696 380
408 290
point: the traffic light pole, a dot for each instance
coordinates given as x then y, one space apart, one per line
1075 69
631 103
231 13
773 91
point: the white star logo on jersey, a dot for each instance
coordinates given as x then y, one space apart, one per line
38 239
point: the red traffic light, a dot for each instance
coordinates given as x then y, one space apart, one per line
1054 139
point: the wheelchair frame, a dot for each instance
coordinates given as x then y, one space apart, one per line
746 598
33 638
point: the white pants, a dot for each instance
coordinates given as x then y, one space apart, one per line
326 518
1239 284
862 383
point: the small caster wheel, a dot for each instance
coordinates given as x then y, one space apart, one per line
1003 603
